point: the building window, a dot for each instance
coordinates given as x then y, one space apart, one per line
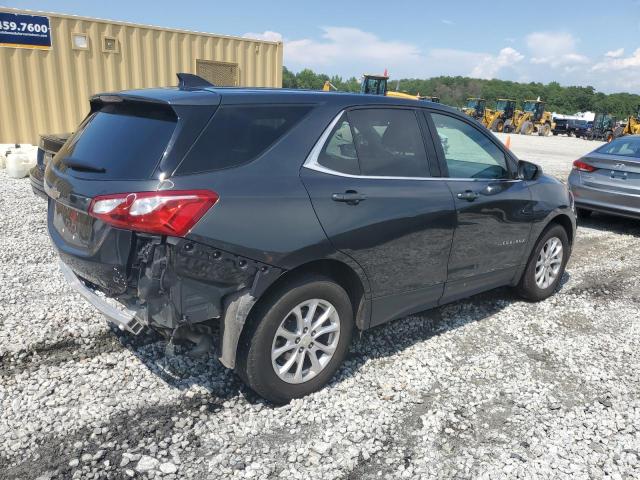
79 41
110 45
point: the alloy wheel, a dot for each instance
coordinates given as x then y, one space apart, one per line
305 341
549 263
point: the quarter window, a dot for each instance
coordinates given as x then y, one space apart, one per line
389 142
469 153
339 153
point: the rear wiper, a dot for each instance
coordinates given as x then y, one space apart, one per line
82 167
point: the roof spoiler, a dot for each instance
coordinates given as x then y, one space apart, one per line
189 81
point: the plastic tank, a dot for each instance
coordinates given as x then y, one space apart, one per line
20 161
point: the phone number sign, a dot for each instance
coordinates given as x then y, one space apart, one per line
24 31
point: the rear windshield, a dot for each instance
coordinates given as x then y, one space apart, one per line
625 146
238 134
122 141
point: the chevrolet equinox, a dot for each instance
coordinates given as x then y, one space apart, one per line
292 218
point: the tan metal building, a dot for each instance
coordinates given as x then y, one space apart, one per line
46 89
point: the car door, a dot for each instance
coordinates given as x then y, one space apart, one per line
493 207
369 182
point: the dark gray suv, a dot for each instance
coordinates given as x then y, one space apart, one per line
289 219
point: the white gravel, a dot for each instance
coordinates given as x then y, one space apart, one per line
490 387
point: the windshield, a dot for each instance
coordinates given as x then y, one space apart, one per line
501 105
473 103
529 106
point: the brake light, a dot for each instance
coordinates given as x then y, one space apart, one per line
583 166
172 212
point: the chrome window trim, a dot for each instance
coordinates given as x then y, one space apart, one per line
311 163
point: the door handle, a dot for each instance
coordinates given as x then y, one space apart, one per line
468 195
350 197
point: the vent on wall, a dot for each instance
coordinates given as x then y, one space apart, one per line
109 44
222 74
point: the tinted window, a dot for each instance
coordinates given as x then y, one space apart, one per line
469 152
339 153
389 143
126 141
239 134
625 146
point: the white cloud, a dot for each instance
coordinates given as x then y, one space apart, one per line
447 22
266 35
623 63
348 44
556 49
490 65
351 51
615 53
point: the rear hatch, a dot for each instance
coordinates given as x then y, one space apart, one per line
129 142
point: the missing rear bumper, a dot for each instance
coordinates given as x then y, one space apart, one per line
124 318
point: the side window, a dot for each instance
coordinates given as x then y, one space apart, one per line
469 153
339 153
238 134
389 142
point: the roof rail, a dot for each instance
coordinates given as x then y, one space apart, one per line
189 81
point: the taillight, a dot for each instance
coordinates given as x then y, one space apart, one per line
165 213
583 166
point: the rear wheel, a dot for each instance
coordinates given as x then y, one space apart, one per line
526 128
298 338
544 130
546 265
497 126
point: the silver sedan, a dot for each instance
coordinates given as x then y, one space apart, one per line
608 179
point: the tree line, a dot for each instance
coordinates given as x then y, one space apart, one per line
455 90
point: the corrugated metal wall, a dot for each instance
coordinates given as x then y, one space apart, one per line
47 91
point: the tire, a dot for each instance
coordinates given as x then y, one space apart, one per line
528 287
255 365
618 132
555 134
526 128
583 213
497 126
544 130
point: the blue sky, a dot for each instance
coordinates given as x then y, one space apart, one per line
581 42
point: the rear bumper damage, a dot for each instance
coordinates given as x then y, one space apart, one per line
123 318
182 289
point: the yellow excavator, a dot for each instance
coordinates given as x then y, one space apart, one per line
378 85
533 119
502 118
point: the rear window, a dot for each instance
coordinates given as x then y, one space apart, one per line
625 146
239 134
126 141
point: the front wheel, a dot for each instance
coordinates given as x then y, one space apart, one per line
546 265
297 339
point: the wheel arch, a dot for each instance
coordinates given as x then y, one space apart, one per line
565 222
239 321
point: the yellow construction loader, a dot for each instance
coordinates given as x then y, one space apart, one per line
533 119
631 128
502 118
377 85
475 108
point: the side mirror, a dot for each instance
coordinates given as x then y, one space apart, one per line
528 170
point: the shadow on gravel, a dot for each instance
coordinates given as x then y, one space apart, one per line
611 223
181 371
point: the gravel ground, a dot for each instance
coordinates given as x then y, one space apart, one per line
490 387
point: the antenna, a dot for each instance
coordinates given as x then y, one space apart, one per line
189 81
